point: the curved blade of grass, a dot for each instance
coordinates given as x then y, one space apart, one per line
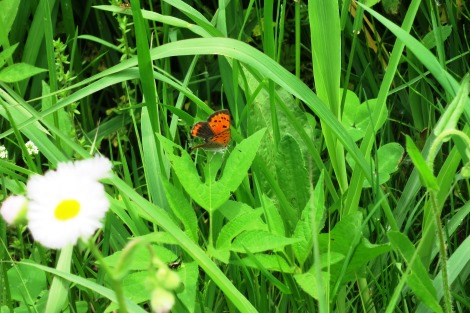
60 287
165 19
105 292
196 16
151 156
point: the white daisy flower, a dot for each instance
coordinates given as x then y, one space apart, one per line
68 203
31 147
3 152
14 209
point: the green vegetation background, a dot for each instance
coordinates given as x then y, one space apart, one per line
345 187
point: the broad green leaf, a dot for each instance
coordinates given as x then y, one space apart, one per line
82 306
357 116
245 222
211 195
270 277
181 209
135 287
189 274
141 258
259 241
429 41
232 209
221 255
388 157
308 283
351 105
19 71
363 115
292 173
346 239
239 161
273 218
304 232
311 221
6 54
26 282
259 117
272 262
8 14
391 6
419 279
365 252
312 213
328 259
425 173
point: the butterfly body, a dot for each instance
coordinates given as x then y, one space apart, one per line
215 132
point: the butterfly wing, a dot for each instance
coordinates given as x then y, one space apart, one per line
203 130
215 132
217 142
219 121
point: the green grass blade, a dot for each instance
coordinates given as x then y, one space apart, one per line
326 56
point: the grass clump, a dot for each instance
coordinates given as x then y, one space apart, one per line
344 186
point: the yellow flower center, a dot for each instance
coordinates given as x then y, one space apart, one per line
67 209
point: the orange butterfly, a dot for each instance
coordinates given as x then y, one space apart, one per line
215 132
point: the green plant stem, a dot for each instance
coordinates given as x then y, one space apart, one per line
59 288
367 301
211 210
437 212
115 283
443 252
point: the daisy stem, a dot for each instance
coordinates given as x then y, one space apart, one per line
210 203
116 283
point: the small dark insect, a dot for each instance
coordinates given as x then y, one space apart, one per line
176 264
125 5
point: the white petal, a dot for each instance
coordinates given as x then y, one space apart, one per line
12 208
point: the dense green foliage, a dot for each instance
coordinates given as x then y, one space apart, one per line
345 187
